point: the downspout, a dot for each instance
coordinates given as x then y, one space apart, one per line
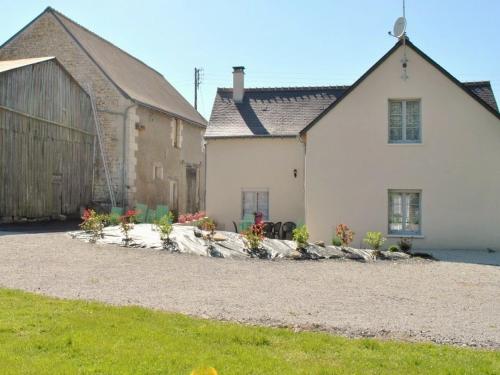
302 140
205 176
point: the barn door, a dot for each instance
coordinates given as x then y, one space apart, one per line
191 204
56 194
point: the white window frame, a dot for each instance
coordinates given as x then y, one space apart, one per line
257 191
403 232
403 121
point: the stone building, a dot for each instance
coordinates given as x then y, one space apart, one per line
153 137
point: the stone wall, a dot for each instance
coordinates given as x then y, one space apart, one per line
46 37
155 148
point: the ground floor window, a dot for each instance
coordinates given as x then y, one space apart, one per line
253 201
405 212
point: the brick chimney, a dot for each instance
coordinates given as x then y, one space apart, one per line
238 83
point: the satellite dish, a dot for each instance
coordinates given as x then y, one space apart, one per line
399 27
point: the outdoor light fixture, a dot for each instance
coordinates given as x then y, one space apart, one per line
295 173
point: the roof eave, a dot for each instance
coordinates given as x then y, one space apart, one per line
379 62
251 136
172 114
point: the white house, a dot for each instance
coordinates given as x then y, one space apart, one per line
410 152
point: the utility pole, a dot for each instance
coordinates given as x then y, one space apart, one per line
197 81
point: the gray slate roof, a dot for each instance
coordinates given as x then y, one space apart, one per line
483 90
285 111
135 79
281 111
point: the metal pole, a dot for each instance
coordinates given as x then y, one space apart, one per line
196 72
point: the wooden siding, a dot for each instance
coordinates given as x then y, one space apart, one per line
46 143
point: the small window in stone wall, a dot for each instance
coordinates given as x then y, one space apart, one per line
158 172
177 133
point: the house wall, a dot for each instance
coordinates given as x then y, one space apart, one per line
245 163
46 143
350 165
155 147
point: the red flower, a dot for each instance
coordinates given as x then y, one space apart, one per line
130 213
86 214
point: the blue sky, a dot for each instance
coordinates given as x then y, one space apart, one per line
281 43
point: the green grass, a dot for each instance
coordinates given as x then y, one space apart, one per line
40 335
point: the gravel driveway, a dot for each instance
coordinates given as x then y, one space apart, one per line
415 300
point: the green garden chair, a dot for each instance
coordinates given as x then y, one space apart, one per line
117 211
142 212
115 215
151 216
161 211
247 221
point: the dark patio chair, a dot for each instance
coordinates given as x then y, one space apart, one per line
287 230
268 228
235 227
277 230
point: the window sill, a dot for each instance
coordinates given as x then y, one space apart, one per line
405 236
405 144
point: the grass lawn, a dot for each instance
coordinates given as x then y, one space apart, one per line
40 335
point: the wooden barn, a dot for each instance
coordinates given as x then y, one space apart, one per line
47 141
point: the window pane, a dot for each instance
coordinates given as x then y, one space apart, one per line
249 204
412 120
395 212
395 121
263 203
413 221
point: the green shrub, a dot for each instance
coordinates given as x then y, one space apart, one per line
336 241
374 239
254 236
393 249
206 224
405 244
165 227
301 235
93 223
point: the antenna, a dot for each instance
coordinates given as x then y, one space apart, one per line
399 31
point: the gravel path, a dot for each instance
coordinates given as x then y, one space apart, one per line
415 300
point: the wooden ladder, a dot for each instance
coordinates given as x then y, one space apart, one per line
101 147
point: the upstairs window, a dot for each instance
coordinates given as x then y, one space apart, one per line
404 212
254 201
177 133
404 121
